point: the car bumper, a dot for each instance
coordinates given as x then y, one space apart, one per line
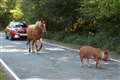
20 35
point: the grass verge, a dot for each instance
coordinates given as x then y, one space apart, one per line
2 73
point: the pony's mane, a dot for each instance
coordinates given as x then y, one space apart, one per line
38 23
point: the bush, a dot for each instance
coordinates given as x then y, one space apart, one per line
1 29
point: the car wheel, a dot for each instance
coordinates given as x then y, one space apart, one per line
10 37
6 36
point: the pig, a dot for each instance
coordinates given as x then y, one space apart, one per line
89 52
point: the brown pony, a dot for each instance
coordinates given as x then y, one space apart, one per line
89 52
35 33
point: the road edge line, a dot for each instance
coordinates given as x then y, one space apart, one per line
9 70
114 60
73 49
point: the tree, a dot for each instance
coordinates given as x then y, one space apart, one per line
16 12
58 13
9 10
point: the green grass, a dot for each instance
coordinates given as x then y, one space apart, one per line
2 74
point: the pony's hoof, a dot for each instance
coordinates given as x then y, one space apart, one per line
29 51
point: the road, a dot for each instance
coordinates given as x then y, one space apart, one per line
52 63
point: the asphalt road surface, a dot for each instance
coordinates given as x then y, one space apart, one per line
53 63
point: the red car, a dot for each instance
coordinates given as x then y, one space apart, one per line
16 30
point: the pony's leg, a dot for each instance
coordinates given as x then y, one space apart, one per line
41 45
97 61
29 45
33 42
81 59
36 46
88 60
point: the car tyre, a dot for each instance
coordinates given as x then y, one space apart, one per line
6 36
10 37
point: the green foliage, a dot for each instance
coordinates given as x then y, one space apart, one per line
16 12
58 13
10 10
59 36
103 11
4 12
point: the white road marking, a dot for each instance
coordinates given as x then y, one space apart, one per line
13 50
114 60
9 70
1 47
7 46
60 46
34 79
55 49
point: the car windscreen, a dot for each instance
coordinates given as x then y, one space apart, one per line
21 25
17 24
